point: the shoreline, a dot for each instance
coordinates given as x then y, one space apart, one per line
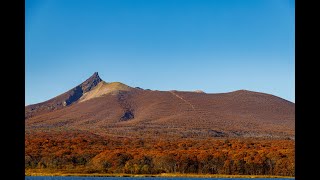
168 175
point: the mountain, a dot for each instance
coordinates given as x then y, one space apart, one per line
117 110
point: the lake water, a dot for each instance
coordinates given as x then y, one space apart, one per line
135 178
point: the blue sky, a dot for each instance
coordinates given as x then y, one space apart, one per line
212 45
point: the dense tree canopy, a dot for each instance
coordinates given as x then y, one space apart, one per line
90 153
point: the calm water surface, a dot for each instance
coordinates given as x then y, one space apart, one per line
136 178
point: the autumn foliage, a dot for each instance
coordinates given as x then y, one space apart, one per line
88 153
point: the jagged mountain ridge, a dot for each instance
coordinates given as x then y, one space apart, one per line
64 99
115 109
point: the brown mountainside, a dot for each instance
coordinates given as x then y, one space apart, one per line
64 99
115 109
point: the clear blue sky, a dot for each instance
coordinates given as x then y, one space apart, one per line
212 45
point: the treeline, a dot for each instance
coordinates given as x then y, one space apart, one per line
90 153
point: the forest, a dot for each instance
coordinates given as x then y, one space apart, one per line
90 153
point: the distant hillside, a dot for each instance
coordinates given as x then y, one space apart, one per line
115 109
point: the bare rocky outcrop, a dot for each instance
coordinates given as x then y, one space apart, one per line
65 99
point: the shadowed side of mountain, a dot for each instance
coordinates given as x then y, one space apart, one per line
64 99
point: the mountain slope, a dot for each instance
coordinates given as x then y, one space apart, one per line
104 88
64 99
115 109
